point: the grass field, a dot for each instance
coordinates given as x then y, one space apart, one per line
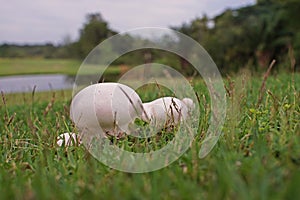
38 66
257 157
15 66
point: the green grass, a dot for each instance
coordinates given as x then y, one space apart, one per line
257 157
16 66
38 66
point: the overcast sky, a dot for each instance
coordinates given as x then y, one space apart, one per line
39 21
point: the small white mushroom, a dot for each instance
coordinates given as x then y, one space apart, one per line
189 103
67 139
110 107
167 111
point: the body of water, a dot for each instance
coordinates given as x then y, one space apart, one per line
43 82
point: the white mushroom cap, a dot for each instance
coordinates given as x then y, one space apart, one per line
165 111
67 139
155 114
107 106
189 103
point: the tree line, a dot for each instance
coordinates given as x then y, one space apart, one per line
247 37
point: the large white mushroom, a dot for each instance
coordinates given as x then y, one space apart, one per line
167 111
107 108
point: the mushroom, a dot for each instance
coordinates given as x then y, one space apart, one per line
189 103
106 107
68 139
167 111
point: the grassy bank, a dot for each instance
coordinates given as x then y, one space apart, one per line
16 66
257 157
37 66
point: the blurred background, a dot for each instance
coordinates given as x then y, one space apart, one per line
53 37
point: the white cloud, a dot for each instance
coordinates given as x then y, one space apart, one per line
50 20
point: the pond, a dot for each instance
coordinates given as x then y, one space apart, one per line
43 82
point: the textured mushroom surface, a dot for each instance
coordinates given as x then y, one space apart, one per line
166 111
105 108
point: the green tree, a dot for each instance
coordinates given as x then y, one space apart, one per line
94 31
250 36
197 29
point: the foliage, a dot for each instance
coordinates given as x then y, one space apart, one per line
21 51
94 31
252 35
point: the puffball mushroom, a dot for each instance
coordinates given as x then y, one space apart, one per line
189 103
167 111
111 107
67 139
